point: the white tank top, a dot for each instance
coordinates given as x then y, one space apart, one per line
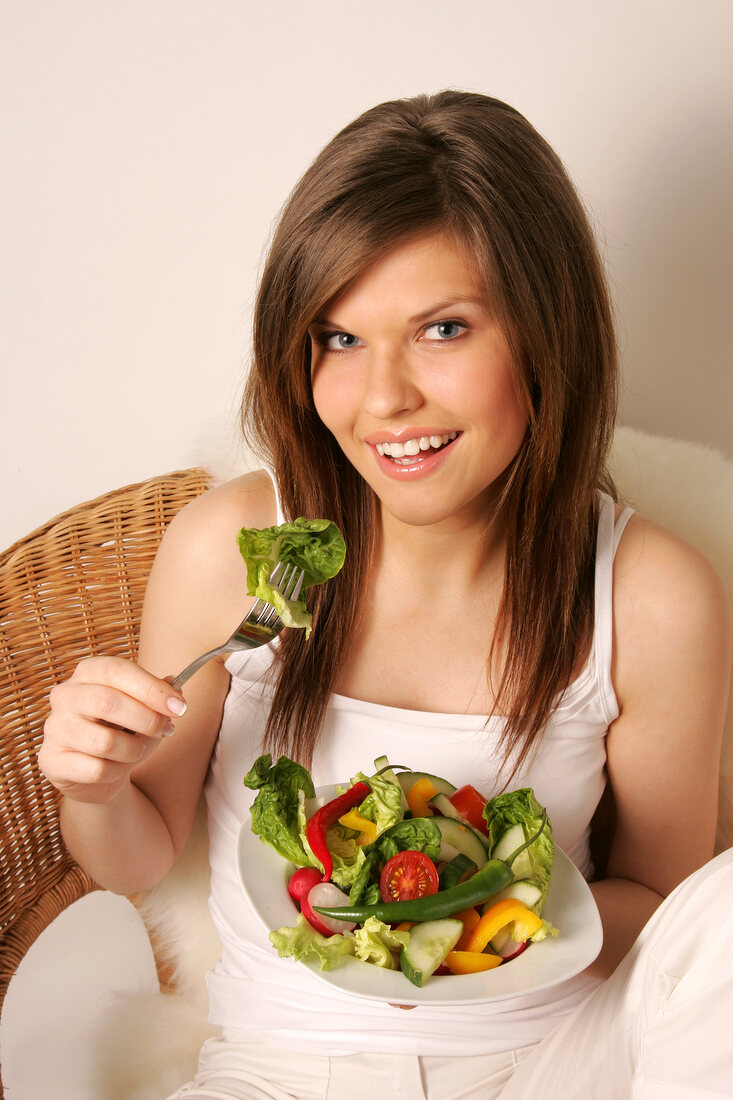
260 997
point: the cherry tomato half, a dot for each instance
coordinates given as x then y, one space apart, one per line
408 875
470 805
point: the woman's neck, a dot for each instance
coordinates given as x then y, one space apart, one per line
452 555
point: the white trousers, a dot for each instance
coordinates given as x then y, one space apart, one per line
660 1028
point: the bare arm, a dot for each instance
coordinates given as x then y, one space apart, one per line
671 675
131 793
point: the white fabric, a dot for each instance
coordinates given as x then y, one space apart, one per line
231 1071
658 1029
265 999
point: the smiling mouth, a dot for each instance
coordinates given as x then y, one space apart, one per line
415 450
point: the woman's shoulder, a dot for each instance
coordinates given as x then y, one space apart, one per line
210 522
199 560
653 562
668 600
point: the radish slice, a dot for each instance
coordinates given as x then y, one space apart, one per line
326 894
510 949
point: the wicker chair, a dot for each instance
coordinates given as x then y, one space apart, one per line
70 589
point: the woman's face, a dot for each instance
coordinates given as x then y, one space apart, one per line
413 377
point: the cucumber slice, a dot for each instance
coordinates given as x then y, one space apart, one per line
429 944
458 837
406 780
523 890
444 806
512 839
454 871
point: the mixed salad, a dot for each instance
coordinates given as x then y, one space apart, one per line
403 870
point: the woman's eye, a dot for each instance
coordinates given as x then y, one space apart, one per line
444 330
339 341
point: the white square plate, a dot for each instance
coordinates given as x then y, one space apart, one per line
570 907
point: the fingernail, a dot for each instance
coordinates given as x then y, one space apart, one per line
177 706
169 729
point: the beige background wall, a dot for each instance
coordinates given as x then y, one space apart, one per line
147 146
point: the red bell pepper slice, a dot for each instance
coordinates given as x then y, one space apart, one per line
470 805
316 830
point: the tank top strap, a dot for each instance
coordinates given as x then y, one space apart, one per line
280 516
610 531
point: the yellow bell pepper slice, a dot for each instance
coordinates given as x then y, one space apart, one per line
469 918
419 794
471 962
497 916
366 829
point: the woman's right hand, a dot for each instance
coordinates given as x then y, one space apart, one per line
104 721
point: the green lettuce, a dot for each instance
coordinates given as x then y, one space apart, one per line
374 943
417 834
276 809
544 932
522 808
377 943
315 545
304 944
365 887
384 805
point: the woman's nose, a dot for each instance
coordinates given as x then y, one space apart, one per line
389 388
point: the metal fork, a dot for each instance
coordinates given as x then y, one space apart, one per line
261 624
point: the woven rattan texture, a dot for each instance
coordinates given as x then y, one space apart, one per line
71 589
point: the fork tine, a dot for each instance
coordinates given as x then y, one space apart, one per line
288 583
298 585
289 586
260 611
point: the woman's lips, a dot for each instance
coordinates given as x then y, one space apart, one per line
415 455
415 445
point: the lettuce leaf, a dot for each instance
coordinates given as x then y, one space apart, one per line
384 805
275 811
419 834
377 943
347 855
545 931
304 944
522 808
315 545
374 943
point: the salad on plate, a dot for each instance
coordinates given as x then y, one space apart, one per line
402 870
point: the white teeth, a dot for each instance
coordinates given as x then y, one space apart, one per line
412 447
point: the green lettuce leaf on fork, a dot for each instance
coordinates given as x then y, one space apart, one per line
315 545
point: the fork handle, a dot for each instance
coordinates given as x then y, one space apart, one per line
189 670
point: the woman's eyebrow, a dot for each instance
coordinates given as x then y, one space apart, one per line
446 303
425 314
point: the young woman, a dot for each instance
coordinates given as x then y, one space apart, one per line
434 369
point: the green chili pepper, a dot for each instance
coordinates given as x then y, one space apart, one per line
494 876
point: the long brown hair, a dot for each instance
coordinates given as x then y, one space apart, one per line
464 164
